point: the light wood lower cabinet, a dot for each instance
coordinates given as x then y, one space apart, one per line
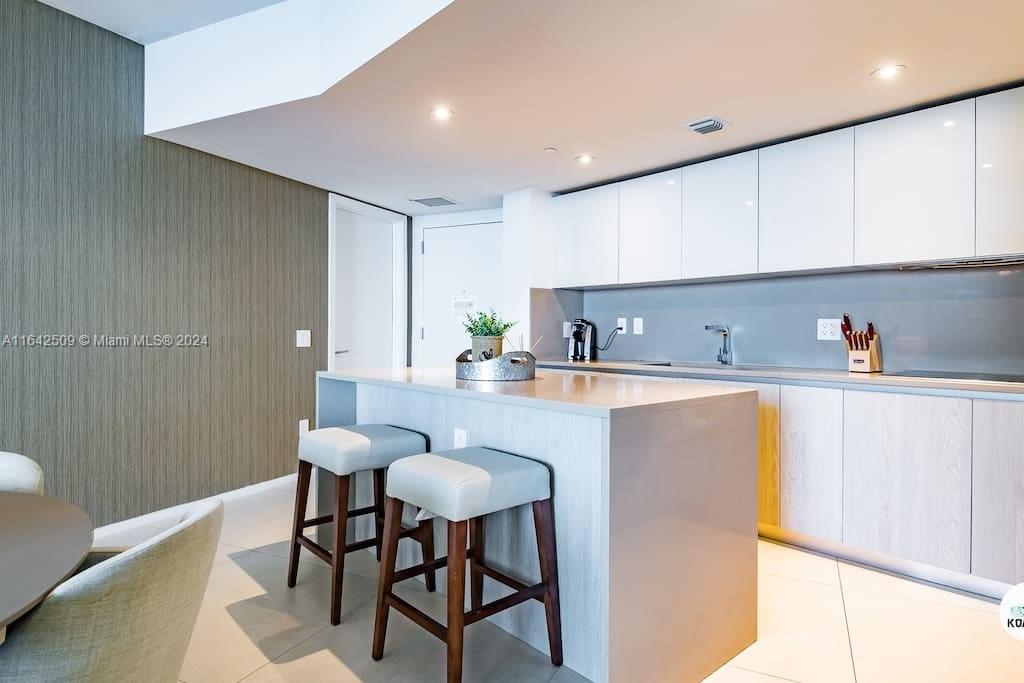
907 476
997 522
811 461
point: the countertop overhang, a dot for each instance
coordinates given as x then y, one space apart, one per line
588 393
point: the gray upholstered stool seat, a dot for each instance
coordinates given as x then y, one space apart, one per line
341 453
468 482
359 447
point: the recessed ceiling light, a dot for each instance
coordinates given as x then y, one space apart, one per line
670 182
949 124
550 150
889 71
585 159
441 113
986 165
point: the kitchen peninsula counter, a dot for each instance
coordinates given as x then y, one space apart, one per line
655 493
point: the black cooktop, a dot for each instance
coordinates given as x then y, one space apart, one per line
976 376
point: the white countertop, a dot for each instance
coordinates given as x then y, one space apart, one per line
782 374
589 393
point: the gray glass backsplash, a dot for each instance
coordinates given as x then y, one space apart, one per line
969 320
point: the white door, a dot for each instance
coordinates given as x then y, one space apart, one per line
461 272
914 186
805 197
587 237
719 215
1000 173
650 228
368 292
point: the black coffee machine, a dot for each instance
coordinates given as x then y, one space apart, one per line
581 340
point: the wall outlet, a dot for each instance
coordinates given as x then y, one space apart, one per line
566 330
303 426
621 324
303 339
638 325
458 438
829 329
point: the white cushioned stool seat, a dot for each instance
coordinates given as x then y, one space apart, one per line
346 450
468 482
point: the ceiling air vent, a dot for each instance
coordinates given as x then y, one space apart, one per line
706 125
435 202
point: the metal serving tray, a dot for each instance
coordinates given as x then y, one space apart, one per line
508 367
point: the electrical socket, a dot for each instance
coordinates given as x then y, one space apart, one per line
621 324
458 438
566 330
829 329
303 426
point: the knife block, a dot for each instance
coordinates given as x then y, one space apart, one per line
866 361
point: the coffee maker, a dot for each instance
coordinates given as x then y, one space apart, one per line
581 340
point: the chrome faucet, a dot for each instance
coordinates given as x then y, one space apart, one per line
724 353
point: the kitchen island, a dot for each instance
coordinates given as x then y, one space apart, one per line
655 494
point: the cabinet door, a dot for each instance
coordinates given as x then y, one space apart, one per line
719 215
805 218
997 546
907 476
1000 172
587 237
811 461
649 228
914 193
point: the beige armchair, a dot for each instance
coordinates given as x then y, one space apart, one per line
125 618
20 474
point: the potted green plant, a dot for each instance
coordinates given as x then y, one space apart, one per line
487 331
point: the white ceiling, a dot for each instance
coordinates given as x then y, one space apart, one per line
146 21
614 78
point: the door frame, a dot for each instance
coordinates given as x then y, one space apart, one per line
419 224
400 264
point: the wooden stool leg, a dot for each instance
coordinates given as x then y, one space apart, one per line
544 522
378 504
301 495
456 597
476 558
427 546
338 551
392 528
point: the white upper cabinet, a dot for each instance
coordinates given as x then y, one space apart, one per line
719 216
1000 172
587 237
649 228
914 193
806 203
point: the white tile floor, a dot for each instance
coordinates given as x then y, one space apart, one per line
819 619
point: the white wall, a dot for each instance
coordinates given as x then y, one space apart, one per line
528 253
284 52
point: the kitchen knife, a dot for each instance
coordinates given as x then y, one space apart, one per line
847 327
871 330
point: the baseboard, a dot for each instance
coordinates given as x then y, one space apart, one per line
975 586
158 516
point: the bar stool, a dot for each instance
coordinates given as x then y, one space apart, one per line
461 486
343 452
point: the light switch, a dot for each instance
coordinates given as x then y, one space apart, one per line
303 339
566 330
621 324
459 438
638 325
303 426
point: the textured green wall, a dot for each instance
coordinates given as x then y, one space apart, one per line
103 230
